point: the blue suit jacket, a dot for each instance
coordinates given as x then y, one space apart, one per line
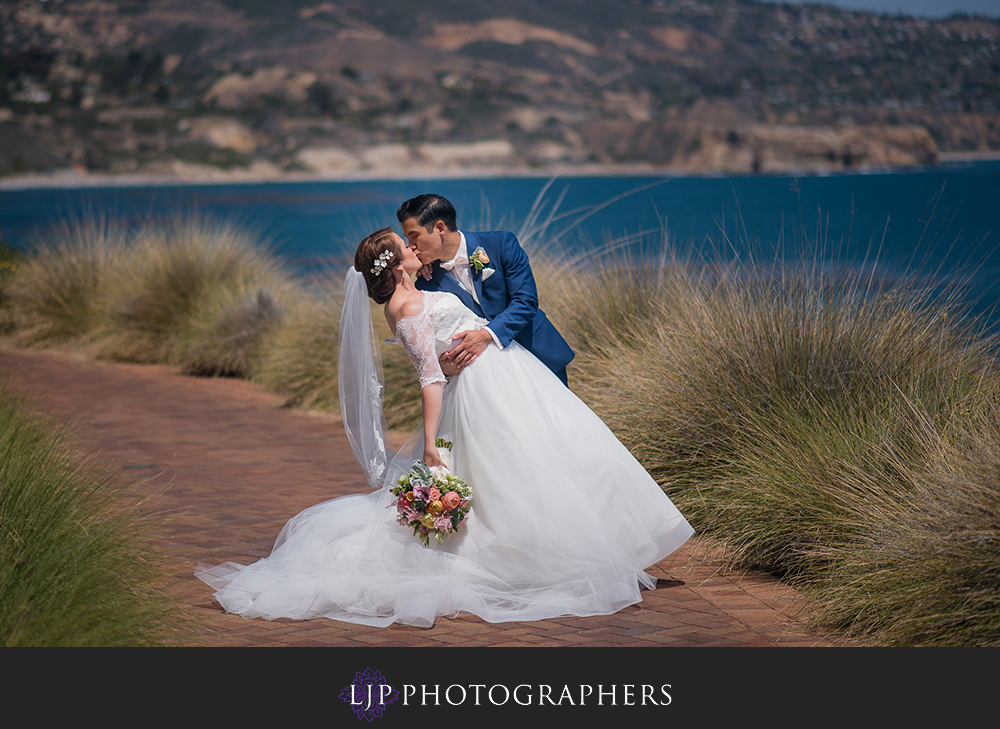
508 298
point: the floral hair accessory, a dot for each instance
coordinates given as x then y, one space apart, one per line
382 262
479 259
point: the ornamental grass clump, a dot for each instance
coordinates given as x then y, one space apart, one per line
835 429
10 260
54 297
177 270
930 576
298 359
608 301
226 332
77 566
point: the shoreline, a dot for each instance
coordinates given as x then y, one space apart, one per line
213 176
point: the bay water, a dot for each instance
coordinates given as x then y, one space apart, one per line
939 222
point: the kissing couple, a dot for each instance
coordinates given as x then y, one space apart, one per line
564 520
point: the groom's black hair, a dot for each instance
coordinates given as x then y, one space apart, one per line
428 209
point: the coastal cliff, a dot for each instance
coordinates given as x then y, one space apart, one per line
746 148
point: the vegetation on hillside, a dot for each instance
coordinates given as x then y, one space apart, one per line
229 84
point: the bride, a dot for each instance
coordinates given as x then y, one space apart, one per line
564 520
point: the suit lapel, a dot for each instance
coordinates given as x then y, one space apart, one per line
477 281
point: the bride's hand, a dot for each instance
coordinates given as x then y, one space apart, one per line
432 457
449 368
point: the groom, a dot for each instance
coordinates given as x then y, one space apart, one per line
490 273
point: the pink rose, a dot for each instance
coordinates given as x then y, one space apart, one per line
451 500
435 494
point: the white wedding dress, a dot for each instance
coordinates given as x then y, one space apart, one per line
564 520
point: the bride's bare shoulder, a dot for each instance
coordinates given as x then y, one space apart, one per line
396 311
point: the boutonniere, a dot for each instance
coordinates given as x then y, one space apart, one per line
479 259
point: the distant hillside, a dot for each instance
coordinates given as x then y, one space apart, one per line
184 87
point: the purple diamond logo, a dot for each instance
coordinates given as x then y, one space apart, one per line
369 694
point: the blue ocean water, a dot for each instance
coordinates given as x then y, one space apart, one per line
940 221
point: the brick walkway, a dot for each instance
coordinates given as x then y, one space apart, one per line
224 467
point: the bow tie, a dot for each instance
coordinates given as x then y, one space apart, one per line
448 265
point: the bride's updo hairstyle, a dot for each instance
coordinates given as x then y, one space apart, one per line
373 263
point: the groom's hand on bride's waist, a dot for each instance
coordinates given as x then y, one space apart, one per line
473 343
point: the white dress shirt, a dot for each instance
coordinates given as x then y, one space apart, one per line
459 269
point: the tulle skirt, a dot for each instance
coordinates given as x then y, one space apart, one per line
564 521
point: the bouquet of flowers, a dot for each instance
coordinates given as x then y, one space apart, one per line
431 500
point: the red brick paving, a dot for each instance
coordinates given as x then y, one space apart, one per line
224 466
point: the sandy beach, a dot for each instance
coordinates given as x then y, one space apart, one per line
208 175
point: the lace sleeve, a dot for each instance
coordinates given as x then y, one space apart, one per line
416 333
